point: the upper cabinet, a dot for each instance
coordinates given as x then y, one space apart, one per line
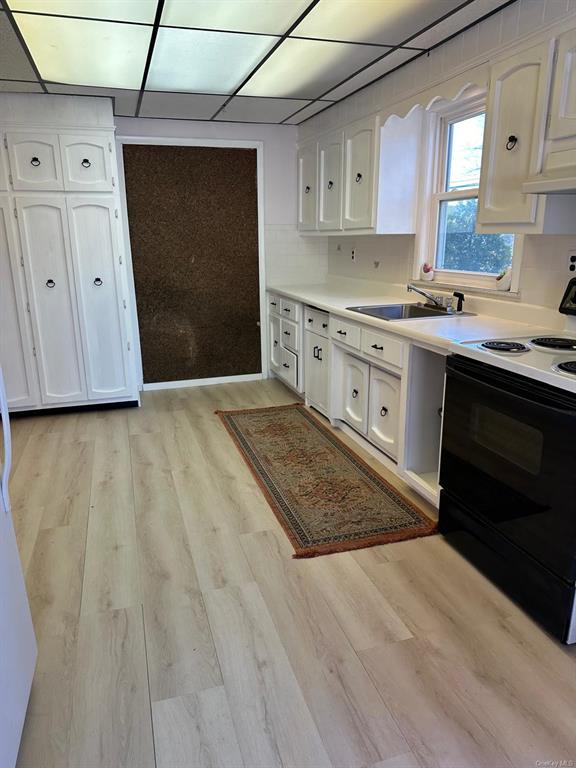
330 182
359 174
86 163
307 186
366 178
48 162
3 172
34 161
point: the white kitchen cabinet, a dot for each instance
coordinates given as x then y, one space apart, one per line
330 182
290 334
43 226
307 186
384 411
274 342
514 139
94 243
35 161
15 339
562 121
355 382
86 163
3 172
317 371
289 367
360 142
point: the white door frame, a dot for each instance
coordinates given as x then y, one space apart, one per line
195 142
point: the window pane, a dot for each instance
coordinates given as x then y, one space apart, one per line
464 153
460 248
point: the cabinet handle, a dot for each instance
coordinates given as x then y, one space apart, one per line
342 333
315 353
383 411
511 143
330 184
35 162
275 342
440 411
310 319
285 365
97 281
286 333
324 325
319 354
358 178
306 190
86 163
354 393
375 346
272 303
50 283
286 309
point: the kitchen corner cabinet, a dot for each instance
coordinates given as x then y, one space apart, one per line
516 116
307 186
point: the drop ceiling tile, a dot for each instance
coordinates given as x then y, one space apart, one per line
309 111
14 64
204 62
190 106
457 21
305 69
270 17
125 102
19 86
254 110
142 11
372 21
81 52
389 62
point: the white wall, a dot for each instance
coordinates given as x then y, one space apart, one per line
289 258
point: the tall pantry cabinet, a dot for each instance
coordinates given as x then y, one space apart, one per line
64 330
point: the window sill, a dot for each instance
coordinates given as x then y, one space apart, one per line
431 285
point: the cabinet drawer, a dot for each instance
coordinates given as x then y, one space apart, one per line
289 334
382 347
316 321
345 332
274 303
290 309
289 368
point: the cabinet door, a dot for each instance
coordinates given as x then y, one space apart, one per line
355 395
359 158
289 367
35 161
330 183
46 250
563 107
3 171
307 186
95 255
514 136
86 162
384 410
317 371
274 341
15 341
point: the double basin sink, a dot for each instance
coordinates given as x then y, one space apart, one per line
406 311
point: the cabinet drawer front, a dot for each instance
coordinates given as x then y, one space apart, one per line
86 163
289 334
290 310
35 161
345 332
274 303
383 347
274 341
317 321
289 367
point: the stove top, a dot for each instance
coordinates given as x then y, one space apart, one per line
550 357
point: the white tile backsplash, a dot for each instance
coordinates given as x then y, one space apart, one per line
292 258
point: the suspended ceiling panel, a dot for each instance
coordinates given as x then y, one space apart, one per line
271 61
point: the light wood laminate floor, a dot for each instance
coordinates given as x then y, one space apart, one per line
175 630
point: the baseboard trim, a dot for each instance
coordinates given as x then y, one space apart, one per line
203 382
75 408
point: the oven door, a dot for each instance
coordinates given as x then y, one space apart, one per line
509 456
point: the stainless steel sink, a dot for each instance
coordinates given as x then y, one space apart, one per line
407 311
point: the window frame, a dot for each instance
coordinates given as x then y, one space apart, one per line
438 128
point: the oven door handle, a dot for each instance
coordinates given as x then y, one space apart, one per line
544 402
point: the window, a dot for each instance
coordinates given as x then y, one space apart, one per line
460 255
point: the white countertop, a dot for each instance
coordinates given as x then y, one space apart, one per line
440 332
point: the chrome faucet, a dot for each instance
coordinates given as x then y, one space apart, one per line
434 299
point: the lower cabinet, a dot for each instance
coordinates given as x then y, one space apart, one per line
317 371
274 341
356 383
289 367
383 411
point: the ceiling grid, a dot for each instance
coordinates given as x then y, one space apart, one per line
247 61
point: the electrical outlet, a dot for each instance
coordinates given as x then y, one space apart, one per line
353 254
376 264
339 247
572 260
